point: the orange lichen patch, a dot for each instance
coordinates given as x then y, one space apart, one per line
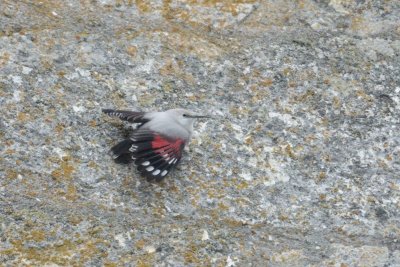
232 222
11 174
382 164
193 98
56 174
64 171
386 145
36 235
242 185
190 254
9 151
140 244
266 82
59 128
224 2
301 4
223 207
357 23
71 193
215 193
81 35
47 63
93 123
146 260
4 58
234 110
158 212
74 220
363 95
146 99
168 13
127 32
68 169
195 200
63 253
59 254
143 6
61 74
260 95
248 140
119 97
22 117
289 151
336 102
92 164
90 250
322 197
283 217
45 8
321 176
286 71
170 67
305 96
9 142
132 50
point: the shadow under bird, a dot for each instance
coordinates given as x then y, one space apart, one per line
157 144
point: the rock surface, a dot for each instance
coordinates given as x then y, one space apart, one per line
300 167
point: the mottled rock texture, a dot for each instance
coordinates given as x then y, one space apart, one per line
300 166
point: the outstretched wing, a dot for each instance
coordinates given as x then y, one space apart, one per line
126 115
155 154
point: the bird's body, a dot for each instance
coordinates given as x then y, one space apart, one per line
157 144
168 124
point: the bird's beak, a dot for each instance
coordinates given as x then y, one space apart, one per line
199 116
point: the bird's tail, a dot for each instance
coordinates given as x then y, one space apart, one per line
121 152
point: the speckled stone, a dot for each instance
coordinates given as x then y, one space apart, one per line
300 166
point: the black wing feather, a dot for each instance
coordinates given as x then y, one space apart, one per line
154 154
126 115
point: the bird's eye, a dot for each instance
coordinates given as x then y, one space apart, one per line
184 115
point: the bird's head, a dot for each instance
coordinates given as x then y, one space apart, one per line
185 117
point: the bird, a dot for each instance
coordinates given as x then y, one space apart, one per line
157 143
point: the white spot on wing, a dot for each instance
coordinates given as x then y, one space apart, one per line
156 172
146 163
150 168
164 173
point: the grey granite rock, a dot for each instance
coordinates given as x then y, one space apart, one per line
300 166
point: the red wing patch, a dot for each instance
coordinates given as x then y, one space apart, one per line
154 154
161 145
